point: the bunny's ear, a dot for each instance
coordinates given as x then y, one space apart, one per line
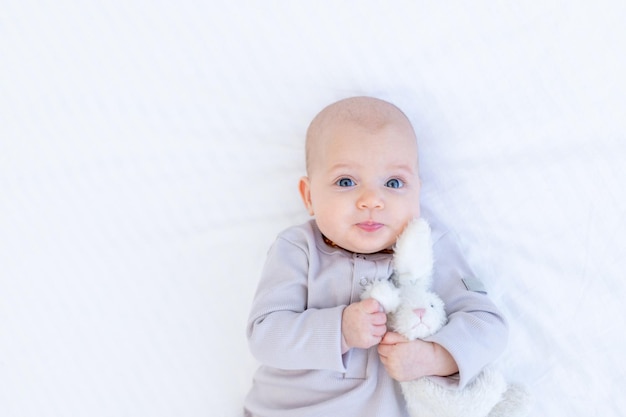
413 255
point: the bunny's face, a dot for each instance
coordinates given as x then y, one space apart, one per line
418 316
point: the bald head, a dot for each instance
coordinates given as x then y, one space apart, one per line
369 113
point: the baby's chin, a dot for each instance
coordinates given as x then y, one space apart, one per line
365 243
367 250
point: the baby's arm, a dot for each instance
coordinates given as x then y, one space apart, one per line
285 328
283 332
476 332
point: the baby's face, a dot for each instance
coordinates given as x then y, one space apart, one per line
363 185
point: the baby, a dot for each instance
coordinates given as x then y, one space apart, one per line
323 351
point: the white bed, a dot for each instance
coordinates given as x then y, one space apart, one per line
150 151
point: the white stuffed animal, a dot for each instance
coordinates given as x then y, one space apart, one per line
416 312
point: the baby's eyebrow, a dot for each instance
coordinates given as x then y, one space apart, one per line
391 169
403 167
341 167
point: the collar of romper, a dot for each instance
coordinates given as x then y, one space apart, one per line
334 245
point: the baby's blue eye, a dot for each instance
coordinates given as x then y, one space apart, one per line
394 183
345 182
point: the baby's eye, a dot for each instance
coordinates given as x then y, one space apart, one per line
345 182
394 183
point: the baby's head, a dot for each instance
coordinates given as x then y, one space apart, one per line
362 182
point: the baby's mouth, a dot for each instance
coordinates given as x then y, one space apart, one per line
369 226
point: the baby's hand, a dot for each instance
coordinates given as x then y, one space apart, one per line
406 360
362 325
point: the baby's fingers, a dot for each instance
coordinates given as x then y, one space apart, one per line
371 306
378 319
379 332
393 338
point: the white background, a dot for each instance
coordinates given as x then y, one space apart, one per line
150 152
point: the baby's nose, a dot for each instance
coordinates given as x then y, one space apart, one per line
371 199
419 312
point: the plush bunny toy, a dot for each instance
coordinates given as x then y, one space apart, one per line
416 312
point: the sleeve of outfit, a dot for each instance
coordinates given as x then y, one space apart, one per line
283 332
476 332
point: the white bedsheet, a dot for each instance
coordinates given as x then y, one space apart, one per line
150 151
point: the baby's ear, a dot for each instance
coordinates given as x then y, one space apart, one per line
304 186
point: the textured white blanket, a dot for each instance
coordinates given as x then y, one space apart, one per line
150 152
